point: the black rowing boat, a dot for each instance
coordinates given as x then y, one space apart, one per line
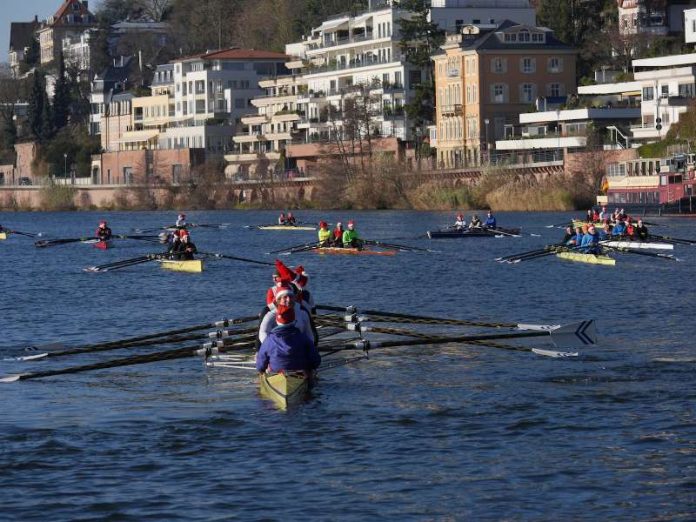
472 232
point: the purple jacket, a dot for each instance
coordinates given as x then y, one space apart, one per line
287 348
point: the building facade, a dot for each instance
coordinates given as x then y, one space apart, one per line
71 20
22 36
485 78
452 15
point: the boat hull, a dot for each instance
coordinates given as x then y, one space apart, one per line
3 236
648 245
187 265
285 227
592 259
471 232
353 251
283 389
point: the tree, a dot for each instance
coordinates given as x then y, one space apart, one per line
36 105
420 39
61 96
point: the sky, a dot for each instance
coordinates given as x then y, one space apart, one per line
24 11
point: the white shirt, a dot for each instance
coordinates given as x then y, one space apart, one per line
301 321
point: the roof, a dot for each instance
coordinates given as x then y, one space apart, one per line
22 33
672 60
63 10
236 54
487 40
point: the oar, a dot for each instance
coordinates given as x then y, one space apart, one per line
53 242
296 248
224 323
669 257
236 258
27 234
125 263
502 232
209 225
541 252
572 336
557 225
424 319
404 248
674 240
149 239
186 351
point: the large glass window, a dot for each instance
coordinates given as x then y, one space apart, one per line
648 93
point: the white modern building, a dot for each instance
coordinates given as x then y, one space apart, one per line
690 26
452 15
665 85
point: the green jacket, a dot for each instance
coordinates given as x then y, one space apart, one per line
349 236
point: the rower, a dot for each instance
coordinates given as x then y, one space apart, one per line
290 220
630 229
324 234
579 234
338 235
568 236
590 241
604 232
284 296
282 220
460 222
286 347
619 228
350 237
641 231
475 222
490 221
181 221
103 232
183 249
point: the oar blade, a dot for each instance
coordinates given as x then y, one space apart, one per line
553 353
11 378
575 335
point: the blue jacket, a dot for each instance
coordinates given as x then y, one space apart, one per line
619 229
590 243
287 348
490 222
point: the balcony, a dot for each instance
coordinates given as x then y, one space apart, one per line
352 64
254 119
451 110
249 138
356 39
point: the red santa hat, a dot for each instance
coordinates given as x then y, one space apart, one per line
102 222
284 273
323 224
351 224
301 278
183 233
285 314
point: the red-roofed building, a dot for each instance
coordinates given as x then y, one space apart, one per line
70 20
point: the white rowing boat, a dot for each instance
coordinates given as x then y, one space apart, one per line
648 245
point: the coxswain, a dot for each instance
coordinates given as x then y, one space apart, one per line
181 221
324 234
475 222
641 231
284 296
350 237
286 347
490 221
338 235
590 241
630 229
290 219
603 214
103 232
282 220
460 222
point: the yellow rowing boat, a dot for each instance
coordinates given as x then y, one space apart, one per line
3 235
284 389
184 265
581 257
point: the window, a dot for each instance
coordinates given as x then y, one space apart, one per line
498 93
239 103
523 36
498 65
664 91
510 37
555 65
686 90
648 93
527 65
414 78
527 93
538 37
555 90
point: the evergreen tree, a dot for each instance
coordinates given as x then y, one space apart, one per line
46 131
36 105
420 38
9 134
61 97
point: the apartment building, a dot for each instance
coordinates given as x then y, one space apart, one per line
452 15
108 83
652 17
665 85
485 77
22 36
71 20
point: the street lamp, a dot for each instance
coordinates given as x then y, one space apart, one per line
558 129
65 165
488 155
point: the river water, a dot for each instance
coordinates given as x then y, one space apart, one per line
422 433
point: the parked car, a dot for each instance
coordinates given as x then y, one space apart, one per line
25 181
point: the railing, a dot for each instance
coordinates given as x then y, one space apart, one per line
349 65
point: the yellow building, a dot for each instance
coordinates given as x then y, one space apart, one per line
485 76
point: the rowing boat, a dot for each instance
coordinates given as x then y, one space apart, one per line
285 227
3 235
581 257
472 232
284 389
103 245
182 265
651 245
353 251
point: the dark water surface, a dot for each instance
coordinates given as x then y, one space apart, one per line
421 433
